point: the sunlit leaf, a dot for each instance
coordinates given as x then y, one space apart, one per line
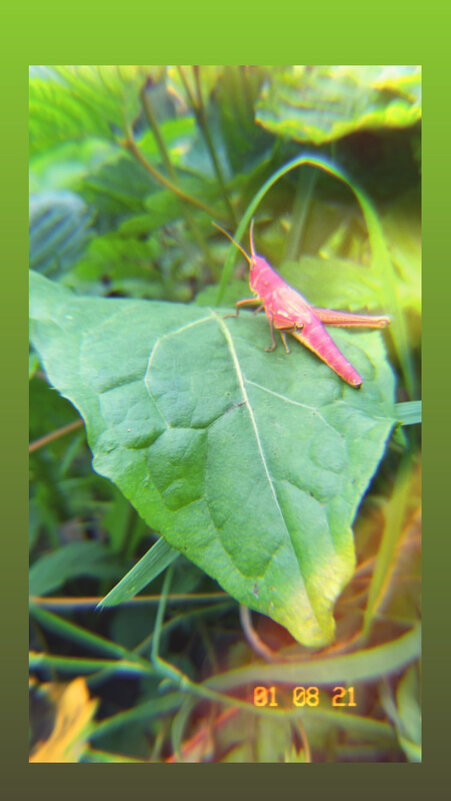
320 104
73 102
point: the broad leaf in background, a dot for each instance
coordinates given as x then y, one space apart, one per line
334 283
66 164
320 104
252 464
52 570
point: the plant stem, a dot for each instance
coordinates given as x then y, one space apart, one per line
60 432
190 219
130 144
198 107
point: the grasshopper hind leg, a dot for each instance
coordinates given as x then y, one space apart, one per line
273 344
284 340
273 341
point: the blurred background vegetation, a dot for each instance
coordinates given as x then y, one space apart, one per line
128 168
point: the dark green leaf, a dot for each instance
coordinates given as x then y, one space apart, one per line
117 188
50 572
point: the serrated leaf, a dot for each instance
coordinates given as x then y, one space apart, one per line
57 116
252 464
78 101
323 103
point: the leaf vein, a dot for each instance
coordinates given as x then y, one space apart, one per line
241 381
293 402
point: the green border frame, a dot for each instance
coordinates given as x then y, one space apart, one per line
198 32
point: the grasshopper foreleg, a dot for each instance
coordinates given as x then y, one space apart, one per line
244 302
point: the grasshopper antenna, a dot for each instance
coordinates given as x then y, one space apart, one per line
223 231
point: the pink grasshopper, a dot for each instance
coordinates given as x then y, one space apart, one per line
290 313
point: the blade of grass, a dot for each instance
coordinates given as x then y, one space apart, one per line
301 208
199 111
76 634
368 664
190 219
145 711
75 665
157 559
92 755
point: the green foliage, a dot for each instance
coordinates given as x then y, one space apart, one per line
252 464
322 104
82 101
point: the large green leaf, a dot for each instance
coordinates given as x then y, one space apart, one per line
252 464
320 104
